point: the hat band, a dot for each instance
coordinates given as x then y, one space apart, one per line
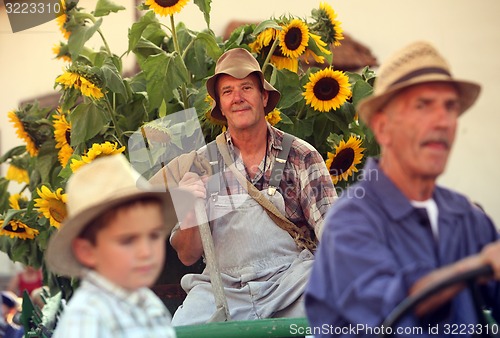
419 72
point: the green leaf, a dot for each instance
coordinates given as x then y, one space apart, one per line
104 7
204 6
80 36
164 74
113 79
11 213
265 25
135 33
87 120
288 83
210 43
4 194
16 151
360 90
46 161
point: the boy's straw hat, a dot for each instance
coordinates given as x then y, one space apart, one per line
95 188
239 63
417 63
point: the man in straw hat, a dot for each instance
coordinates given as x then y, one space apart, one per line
395 232
114 240
263 268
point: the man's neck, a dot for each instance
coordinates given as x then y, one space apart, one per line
414 187
249 141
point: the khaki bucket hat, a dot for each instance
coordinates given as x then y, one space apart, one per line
239 63
95 188
417 63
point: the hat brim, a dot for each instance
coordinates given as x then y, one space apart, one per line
468 94
272 101
59 255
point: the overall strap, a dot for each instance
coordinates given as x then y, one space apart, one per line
213 184
279 164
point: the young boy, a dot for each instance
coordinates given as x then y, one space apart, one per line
114 240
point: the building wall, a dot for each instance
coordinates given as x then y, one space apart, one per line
467 33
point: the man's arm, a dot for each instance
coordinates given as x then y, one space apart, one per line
187 240
490 255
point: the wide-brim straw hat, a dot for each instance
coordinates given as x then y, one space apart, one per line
239 63
100 186
416 63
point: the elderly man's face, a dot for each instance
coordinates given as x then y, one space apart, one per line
417 128
241 101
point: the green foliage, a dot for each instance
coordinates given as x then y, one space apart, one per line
103 105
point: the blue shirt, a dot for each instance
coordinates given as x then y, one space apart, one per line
375 247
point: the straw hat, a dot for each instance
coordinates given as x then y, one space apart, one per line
239 63
95 188
417 63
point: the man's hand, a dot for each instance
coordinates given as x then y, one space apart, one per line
195 184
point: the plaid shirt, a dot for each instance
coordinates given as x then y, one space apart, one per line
102 309
306 185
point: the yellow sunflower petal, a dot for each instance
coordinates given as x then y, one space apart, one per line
273 117
21 132
17 174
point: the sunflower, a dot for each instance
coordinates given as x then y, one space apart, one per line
62 20
343 163
97 150
327 24
327 89
84 79
320 46
294 38
16 201
264 39
61 52
17 229
166 7
62 133
282 62
23 134
52 205
273 117
208 113
17 174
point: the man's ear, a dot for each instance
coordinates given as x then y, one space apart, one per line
378 125
84 252
265 97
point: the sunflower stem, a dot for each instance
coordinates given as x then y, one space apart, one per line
301 114
105 42
271 52
115 123
178 50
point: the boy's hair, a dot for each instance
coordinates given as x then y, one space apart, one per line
90 231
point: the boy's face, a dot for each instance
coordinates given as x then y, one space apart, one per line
130 250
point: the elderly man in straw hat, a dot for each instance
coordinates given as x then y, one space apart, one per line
396 231
114 241
264 260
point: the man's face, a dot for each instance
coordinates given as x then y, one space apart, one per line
417 128
241 101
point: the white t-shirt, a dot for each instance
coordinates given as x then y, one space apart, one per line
432 211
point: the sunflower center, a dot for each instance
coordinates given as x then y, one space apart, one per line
166 3
293 38
67 135
57 210
342 162
326 89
